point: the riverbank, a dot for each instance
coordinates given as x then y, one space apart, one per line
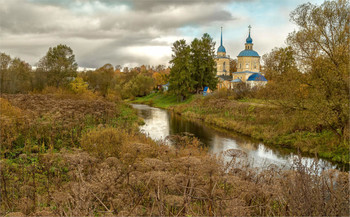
159 100
259 120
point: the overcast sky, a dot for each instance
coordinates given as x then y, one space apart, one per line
136 32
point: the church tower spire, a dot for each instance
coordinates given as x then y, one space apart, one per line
221 37
222 61
249 27
221 49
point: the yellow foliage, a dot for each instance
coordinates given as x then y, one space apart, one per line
160 78
78 86
303 91
113 96
10 116
78 89
104 142
6 109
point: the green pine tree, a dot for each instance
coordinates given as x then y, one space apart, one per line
181 82
202 63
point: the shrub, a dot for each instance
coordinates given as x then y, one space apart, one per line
9 110
104 142
78 85
49 120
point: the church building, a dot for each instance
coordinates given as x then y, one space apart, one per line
222 61
248 67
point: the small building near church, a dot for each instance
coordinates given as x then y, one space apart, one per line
256 80
224 81
165 87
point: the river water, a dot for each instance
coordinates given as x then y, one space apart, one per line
160 123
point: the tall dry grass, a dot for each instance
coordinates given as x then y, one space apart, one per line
115 171
44 120
151 179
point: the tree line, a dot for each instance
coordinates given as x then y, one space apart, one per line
58 70
193 68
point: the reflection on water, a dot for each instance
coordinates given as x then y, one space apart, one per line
160 123
156 122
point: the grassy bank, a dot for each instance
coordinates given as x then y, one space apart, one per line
268 123
161 100
261 120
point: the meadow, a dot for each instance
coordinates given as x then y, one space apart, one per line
78 157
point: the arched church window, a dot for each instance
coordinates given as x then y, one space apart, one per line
247 65
224 66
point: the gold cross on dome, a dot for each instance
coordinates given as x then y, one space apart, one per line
249 27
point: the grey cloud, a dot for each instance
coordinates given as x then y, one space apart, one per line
114 54
140 5
29 27
156 5
21 17
108 56
166 20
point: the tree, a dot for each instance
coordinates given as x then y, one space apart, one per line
203 63
324 32
102 79
160 78
79 86
59 64
193 67
159 68
15 75
118 67
278 63
322 50
5 61
20 76
233 66
285 80
139 85
126 70
180 80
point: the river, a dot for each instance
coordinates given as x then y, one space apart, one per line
160 123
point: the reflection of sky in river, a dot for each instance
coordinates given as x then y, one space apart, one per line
159 124
156 122
258 156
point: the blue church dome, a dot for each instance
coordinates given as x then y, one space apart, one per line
256 77
221 49
249 40
248 53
